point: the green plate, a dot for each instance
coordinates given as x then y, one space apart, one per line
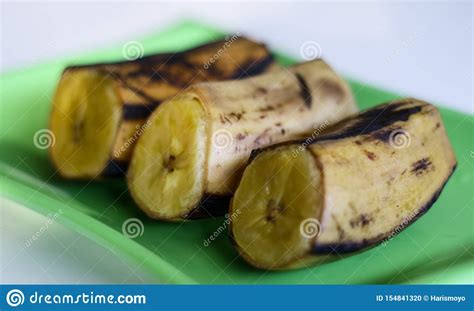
438 248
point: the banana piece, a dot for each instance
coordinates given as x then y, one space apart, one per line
190 159
305 202
100 110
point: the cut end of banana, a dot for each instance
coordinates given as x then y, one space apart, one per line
166 174
85 118
275 209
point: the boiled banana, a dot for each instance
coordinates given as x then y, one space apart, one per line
190 159
100 110
364 180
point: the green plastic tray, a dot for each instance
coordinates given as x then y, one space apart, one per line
438 248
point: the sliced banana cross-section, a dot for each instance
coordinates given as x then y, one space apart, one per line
169 167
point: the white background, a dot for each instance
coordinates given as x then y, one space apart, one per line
421 49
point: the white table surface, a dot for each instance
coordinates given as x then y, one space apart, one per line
420 49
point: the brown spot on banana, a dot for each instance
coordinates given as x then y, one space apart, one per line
370 155
361 220
305 91
99 108
241 136
421 166
330 181
267 108
211 154
261 91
